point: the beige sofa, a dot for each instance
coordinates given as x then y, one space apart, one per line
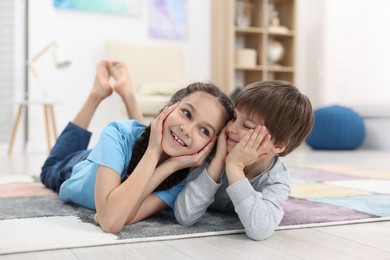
157 71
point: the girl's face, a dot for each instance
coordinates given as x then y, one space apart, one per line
238 127
193 124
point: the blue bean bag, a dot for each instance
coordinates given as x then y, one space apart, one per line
336 128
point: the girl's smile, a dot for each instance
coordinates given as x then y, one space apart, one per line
176 139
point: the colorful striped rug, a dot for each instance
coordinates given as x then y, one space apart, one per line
33 218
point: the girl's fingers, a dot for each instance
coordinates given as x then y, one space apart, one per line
202 154
222 136
166 111
158 121
207 149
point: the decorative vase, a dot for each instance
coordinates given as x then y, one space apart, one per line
243 13
275 52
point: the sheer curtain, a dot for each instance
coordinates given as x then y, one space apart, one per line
7 66
12 63
356 53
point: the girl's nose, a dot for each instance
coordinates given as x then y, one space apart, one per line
185 130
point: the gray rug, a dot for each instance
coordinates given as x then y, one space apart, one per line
33 218
158 225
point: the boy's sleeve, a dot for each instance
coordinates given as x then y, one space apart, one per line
260 212
196 196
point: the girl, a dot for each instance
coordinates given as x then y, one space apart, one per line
134 171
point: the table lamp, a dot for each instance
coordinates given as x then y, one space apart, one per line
59 58
60 61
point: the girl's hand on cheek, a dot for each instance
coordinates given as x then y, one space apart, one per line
254 144
156 131
192 160
222 145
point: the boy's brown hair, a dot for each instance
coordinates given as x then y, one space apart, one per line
287 113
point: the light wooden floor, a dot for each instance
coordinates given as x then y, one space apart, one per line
357 241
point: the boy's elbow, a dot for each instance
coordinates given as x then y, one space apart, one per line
185 221
259 235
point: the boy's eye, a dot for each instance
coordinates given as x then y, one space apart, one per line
205 131
186 113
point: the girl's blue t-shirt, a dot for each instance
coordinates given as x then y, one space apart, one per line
114 150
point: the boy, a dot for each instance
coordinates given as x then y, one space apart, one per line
246 175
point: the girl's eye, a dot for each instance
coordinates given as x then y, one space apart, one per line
205 131
247 127
186 113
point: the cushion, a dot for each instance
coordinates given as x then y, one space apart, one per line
151 105
164 88
336 128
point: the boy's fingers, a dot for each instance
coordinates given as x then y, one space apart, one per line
260 136
265 144
246 138
254 140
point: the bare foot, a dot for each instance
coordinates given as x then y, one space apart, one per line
101 87
123 85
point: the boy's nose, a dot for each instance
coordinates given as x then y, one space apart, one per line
231 127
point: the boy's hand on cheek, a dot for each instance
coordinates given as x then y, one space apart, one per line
255 143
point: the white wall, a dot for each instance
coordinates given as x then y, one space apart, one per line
309 40
349 64
82 35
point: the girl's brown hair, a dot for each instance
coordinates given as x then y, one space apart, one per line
142 143
287 113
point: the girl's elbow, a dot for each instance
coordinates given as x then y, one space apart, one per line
110 226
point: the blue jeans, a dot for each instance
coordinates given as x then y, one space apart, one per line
69 149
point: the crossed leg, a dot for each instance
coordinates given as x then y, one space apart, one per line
102 89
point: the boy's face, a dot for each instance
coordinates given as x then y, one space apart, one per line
239 126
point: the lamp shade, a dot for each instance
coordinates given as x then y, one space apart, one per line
61 60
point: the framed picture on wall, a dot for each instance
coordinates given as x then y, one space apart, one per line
168 19
121 7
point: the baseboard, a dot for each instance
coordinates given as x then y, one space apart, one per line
373 110
377 133
377 123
